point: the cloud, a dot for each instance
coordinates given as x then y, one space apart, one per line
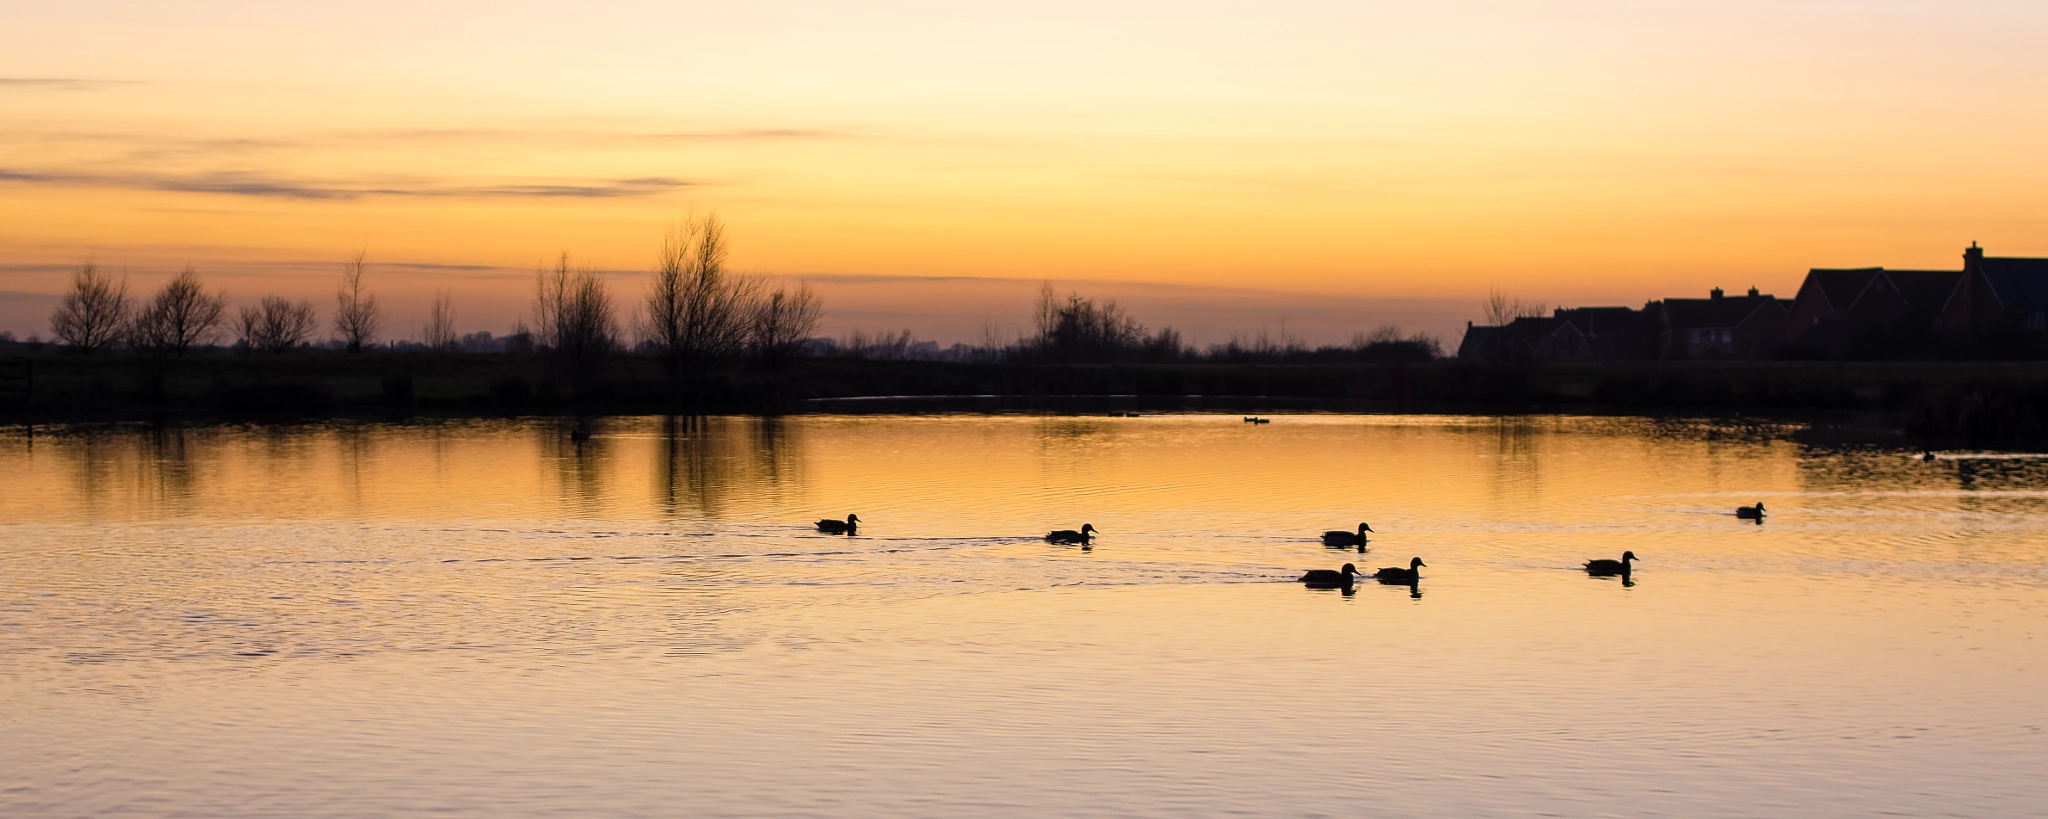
58 83
262 186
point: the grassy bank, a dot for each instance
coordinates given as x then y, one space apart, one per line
1936 400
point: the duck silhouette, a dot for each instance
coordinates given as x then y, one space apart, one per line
1750 512
1328 579
1397 576
1610 568
1338 538
839 527
1069 536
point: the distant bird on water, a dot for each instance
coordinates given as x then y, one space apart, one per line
1069 536
579 436
1399 575
839 527
1610 568
1327 579
1338 537
1750 512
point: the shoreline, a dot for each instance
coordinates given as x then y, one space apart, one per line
1936 403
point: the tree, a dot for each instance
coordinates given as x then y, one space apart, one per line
1501 310
95 313
696 312
276 325
440 332
1078 329
356 317
782 320
575 315
180 317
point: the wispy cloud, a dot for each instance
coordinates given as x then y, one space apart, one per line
58 83
264 186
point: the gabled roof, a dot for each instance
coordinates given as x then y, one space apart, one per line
1841 286
1728 311
1925 289
2019 284
1538 326
1600 321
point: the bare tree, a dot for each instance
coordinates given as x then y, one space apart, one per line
697 313
440 332
356 316
276 325
95 313
178 318
576 316
1500 310
782 320
1076 328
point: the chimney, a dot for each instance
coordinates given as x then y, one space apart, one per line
1752 291
1972 255
1716 292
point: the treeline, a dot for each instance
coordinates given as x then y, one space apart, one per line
696 317
1078 330
695 314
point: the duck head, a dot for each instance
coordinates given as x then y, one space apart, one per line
1349 570
1759 506
1364 527
852 519
1087 528
1628 556
1416 564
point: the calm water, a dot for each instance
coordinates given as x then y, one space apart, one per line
480 618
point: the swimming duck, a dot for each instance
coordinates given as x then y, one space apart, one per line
1750 512
839 527
1071 536
579 436
1400 576
1327 579
1336 537
1610 568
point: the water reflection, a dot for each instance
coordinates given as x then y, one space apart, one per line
707 463
657 595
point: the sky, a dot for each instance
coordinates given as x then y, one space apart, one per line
1228 166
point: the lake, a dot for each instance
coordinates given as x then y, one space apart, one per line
485 618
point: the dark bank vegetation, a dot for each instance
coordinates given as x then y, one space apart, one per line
701 338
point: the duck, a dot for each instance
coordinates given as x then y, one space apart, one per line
1071 536
1338 537
1927 456
1253 419
579 436
1610 568
1327 579
839 527
1750 512
1400 576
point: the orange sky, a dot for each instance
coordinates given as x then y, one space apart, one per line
1569 152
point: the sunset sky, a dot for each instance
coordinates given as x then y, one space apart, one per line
925 165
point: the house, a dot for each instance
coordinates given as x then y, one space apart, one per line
1997 294
1568 334
1611 333
1840 310
1718 326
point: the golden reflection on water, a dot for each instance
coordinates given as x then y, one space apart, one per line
490 618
